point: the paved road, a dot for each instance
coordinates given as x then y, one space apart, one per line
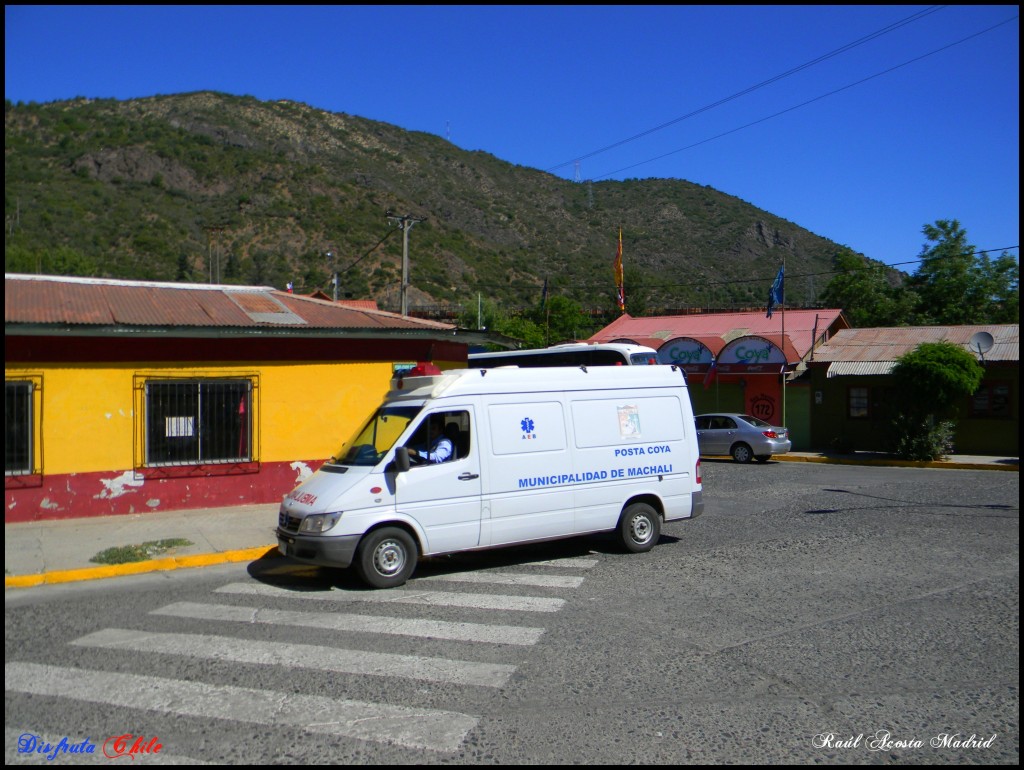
810 607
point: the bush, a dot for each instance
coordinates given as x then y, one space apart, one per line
922 438
935 375
930 380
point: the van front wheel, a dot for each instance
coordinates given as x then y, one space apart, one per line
639 528
386 557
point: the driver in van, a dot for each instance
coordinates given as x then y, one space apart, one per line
439 447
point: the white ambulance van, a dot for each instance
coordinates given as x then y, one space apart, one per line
537 454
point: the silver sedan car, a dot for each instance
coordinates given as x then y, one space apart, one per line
743 436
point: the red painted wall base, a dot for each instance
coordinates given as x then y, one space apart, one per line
113 493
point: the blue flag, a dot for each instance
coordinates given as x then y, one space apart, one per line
777 293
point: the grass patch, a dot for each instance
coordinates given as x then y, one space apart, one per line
123 554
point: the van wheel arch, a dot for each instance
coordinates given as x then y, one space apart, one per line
639 527
387 554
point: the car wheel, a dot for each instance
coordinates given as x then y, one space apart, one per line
386 557
742 453
639 528
763 458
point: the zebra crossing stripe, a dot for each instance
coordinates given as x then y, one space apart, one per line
568 561
371 624
337 660
413 727
405 596
506 578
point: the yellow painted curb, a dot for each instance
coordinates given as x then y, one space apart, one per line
138 567
900 463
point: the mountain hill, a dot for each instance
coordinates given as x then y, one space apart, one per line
208 186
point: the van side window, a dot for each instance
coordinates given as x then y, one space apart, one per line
442 437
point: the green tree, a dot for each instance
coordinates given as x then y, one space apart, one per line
955 285
184 273
480 314
929 381
233 268
488 315
1001 287
522 328
863 291
20 259
564 320
61 260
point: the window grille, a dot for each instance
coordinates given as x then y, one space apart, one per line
859 402
190 422
992 400
18 428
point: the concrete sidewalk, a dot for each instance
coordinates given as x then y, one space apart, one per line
60 551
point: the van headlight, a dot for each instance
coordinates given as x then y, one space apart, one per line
319 522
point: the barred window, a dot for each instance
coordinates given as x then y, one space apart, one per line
18 428
191 422
992 400
859 404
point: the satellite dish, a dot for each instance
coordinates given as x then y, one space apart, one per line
981 343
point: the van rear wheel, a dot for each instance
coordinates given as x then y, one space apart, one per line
639 528
387 557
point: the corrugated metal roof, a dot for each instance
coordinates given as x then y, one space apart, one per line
889 343
847 368
87 302
801 327
363 304
264 308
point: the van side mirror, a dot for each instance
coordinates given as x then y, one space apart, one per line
402 459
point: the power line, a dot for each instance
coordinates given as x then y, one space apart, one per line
373 248
738 281
849 46
809 101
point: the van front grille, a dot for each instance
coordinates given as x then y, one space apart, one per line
289 523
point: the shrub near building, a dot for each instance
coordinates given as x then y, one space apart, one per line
930 380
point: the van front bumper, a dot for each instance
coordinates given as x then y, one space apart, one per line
326 551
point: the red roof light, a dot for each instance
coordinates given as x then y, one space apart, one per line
423 369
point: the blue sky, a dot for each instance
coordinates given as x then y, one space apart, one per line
903 115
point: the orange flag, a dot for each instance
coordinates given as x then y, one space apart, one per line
617 270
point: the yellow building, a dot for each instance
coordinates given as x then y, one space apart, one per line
127 397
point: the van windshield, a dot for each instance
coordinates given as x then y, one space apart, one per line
373 440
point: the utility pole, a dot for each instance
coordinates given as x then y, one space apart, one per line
405 224
213 238
331 264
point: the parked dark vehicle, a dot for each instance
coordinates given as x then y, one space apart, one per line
742 436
